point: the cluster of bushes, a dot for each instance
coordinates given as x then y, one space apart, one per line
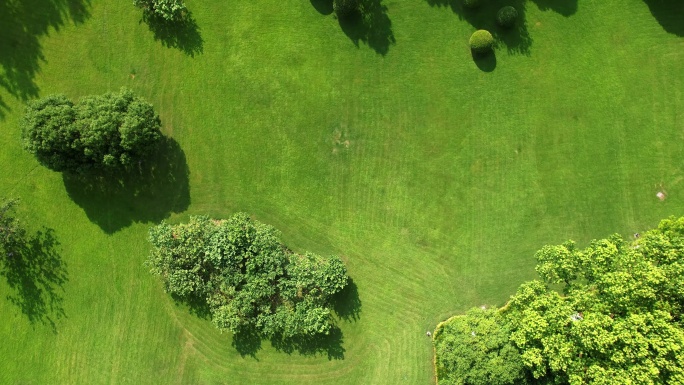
482 41
248 279
107 132
612 313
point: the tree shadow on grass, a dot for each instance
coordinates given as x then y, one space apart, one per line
670 15
370 25
35 274
149 193
516 39
324 7
564 7
183 34
346 305
486 62
22 24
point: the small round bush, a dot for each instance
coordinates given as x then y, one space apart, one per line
471 3
507 16
344 8
481 41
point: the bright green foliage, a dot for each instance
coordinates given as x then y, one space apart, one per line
475 349
249 279
506 16
109 131
481 41
471 3
618 317
166 9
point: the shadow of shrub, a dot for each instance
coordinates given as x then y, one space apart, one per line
324 7
158 187
516 38
329 345
371 25
486 62
182 34
670 15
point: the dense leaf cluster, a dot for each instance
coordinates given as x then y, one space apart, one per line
476 349
248 278
507 16
109 131
481 41
608 314
166 9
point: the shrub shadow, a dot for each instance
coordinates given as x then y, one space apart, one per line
516 39
485 62
324 7
22 24
370 25
183 34
152 191
329 345
346 304
564 7
670 15
36 274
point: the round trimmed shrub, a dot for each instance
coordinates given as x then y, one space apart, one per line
344 8
481 41
507 16
471 3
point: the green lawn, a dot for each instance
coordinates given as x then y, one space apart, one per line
434 179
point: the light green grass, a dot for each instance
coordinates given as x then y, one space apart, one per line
450 180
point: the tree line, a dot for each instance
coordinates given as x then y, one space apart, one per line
607 314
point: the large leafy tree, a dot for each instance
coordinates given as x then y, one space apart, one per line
607 314
108 132
248 278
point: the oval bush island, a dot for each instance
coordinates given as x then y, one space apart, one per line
481 41
249 281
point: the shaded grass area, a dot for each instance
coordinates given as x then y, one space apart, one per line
183 34
435 181
35 274
370 25
23 23
158 187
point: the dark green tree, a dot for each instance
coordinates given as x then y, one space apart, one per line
109 132
247 277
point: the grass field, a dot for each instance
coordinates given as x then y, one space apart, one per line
434 176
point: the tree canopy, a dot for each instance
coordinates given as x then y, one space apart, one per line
607 314
476 349
109 132
250 281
